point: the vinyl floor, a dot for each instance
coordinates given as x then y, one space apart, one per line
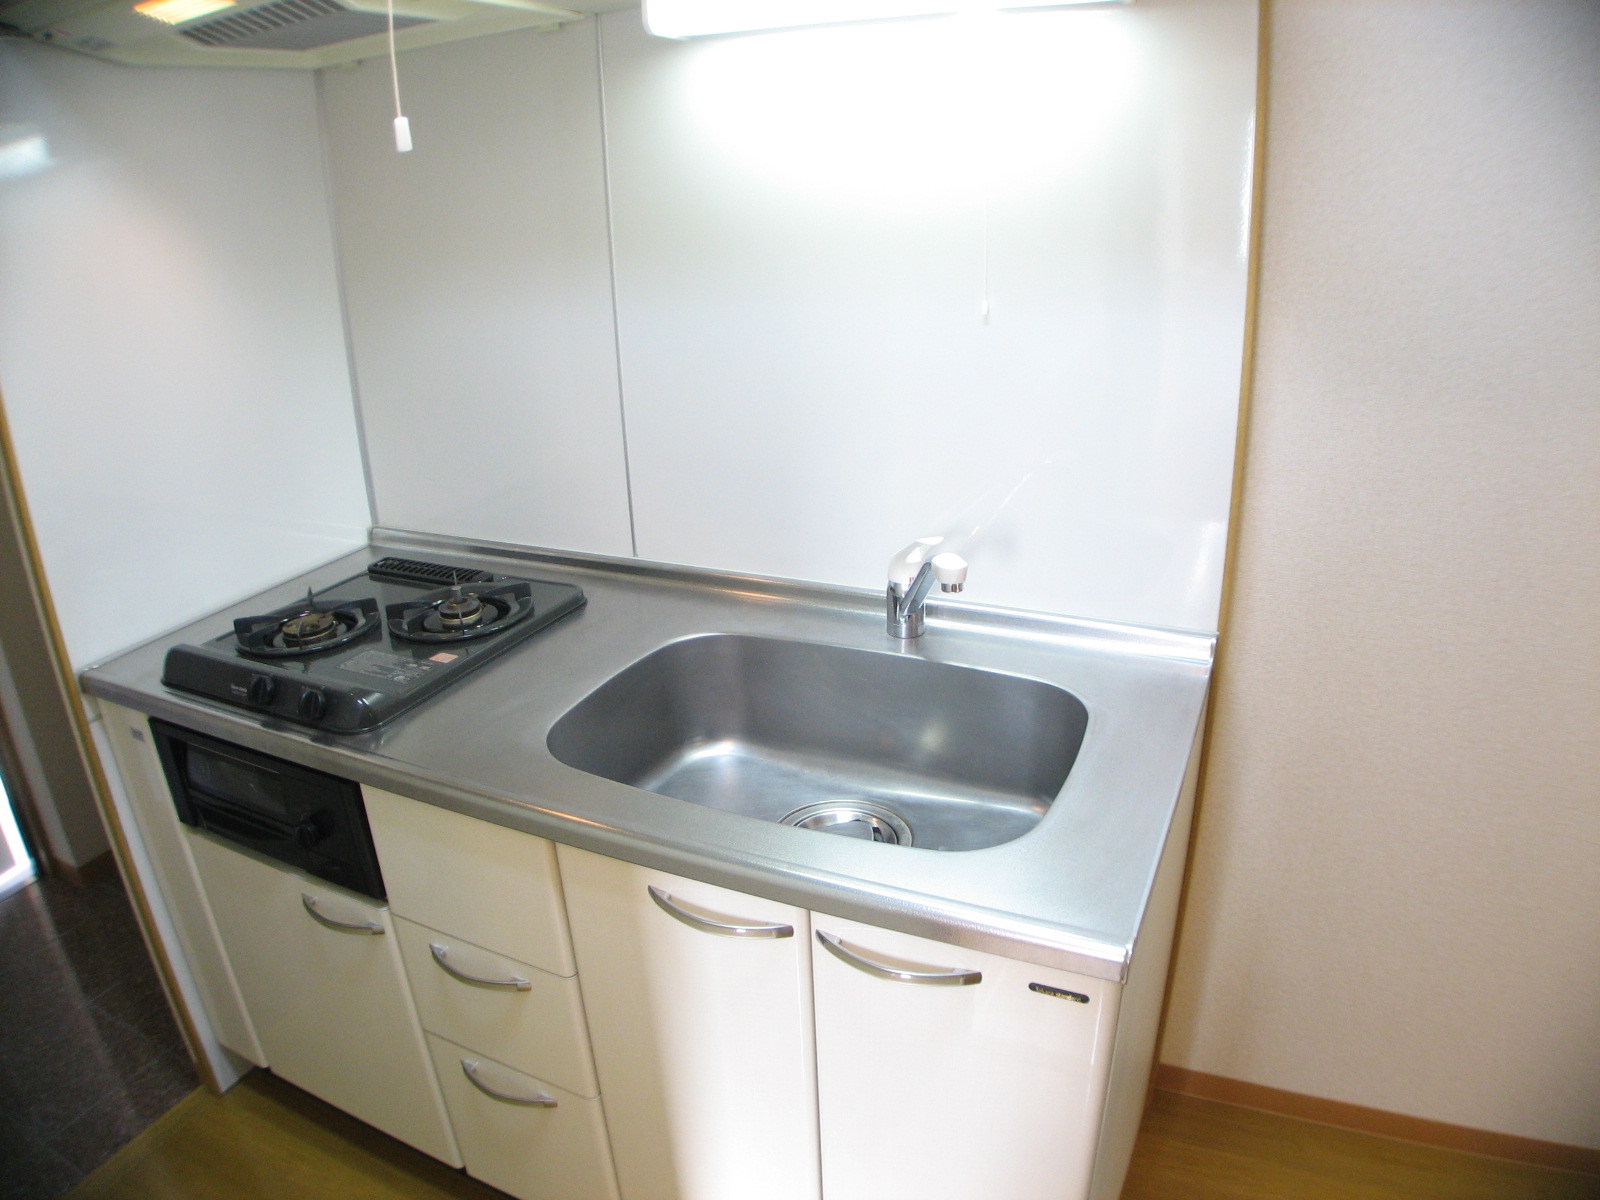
266 1140
1194 1149
89 1053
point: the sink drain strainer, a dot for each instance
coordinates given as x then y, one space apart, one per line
853 818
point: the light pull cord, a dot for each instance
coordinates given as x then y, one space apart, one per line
402 127
983 304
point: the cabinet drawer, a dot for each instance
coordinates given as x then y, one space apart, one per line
538 1028
496 887
535 1152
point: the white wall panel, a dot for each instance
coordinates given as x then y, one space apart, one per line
477 279
170 344
807 225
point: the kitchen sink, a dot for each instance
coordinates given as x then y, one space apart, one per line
879 746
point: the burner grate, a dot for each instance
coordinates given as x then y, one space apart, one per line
305 628
435 617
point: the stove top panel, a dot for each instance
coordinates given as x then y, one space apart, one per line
388 640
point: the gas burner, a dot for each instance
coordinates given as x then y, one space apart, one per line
310 629
304 628
461 611
465 610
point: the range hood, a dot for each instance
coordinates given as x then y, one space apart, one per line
264 33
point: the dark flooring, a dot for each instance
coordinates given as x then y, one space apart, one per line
89 1052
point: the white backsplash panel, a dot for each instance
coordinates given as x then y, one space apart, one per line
478 289
871 282
884 280
170 346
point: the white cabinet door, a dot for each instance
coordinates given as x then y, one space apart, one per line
702 1036
321 977
934 1089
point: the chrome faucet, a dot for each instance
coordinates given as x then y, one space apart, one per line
912 573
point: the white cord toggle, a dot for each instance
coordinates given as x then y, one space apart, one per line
402 127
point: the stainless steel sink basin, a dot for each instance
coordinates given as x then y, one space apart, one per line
884 747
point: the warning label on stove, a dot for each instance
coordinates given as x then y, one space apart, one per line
395 668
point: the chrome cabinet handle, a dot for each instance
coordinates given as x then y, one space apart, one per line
664 903
878 971
469 1068
358 927
440 955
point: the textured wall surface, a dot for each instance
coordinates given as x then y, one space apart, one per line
1397 889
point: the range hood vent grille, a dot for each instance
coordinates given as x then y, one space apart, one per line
293 25
296 34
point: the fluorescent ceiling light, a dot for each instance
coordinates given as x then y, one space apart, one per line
176 12
697 18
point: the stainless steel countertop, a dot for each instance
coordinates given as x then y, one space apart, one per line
1070 894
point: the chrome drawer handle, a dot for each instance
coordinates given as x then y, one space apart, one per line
664 903
878 971
470 1069
358 927
441 956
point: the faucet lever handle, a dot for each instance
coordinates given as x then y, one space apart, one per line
903 567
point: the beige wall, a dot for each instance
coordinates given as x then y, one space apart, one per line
1396 895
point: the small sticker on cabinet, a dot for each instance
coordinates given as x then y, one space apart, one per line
1061 993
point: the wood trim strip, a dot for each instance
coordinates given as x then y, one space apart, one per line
1377 1121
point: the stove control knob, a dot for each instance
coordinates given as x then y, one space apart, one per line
313 704
309 832
261 690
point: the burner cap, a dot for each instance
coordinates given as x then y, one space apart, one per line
459 611
309 628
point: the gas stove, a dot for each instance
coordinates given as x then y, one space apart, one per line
353 655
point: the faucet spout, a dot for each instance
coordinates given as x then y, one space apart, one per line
912 574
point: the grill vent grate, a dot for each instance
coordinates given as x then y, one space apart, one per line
412 570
